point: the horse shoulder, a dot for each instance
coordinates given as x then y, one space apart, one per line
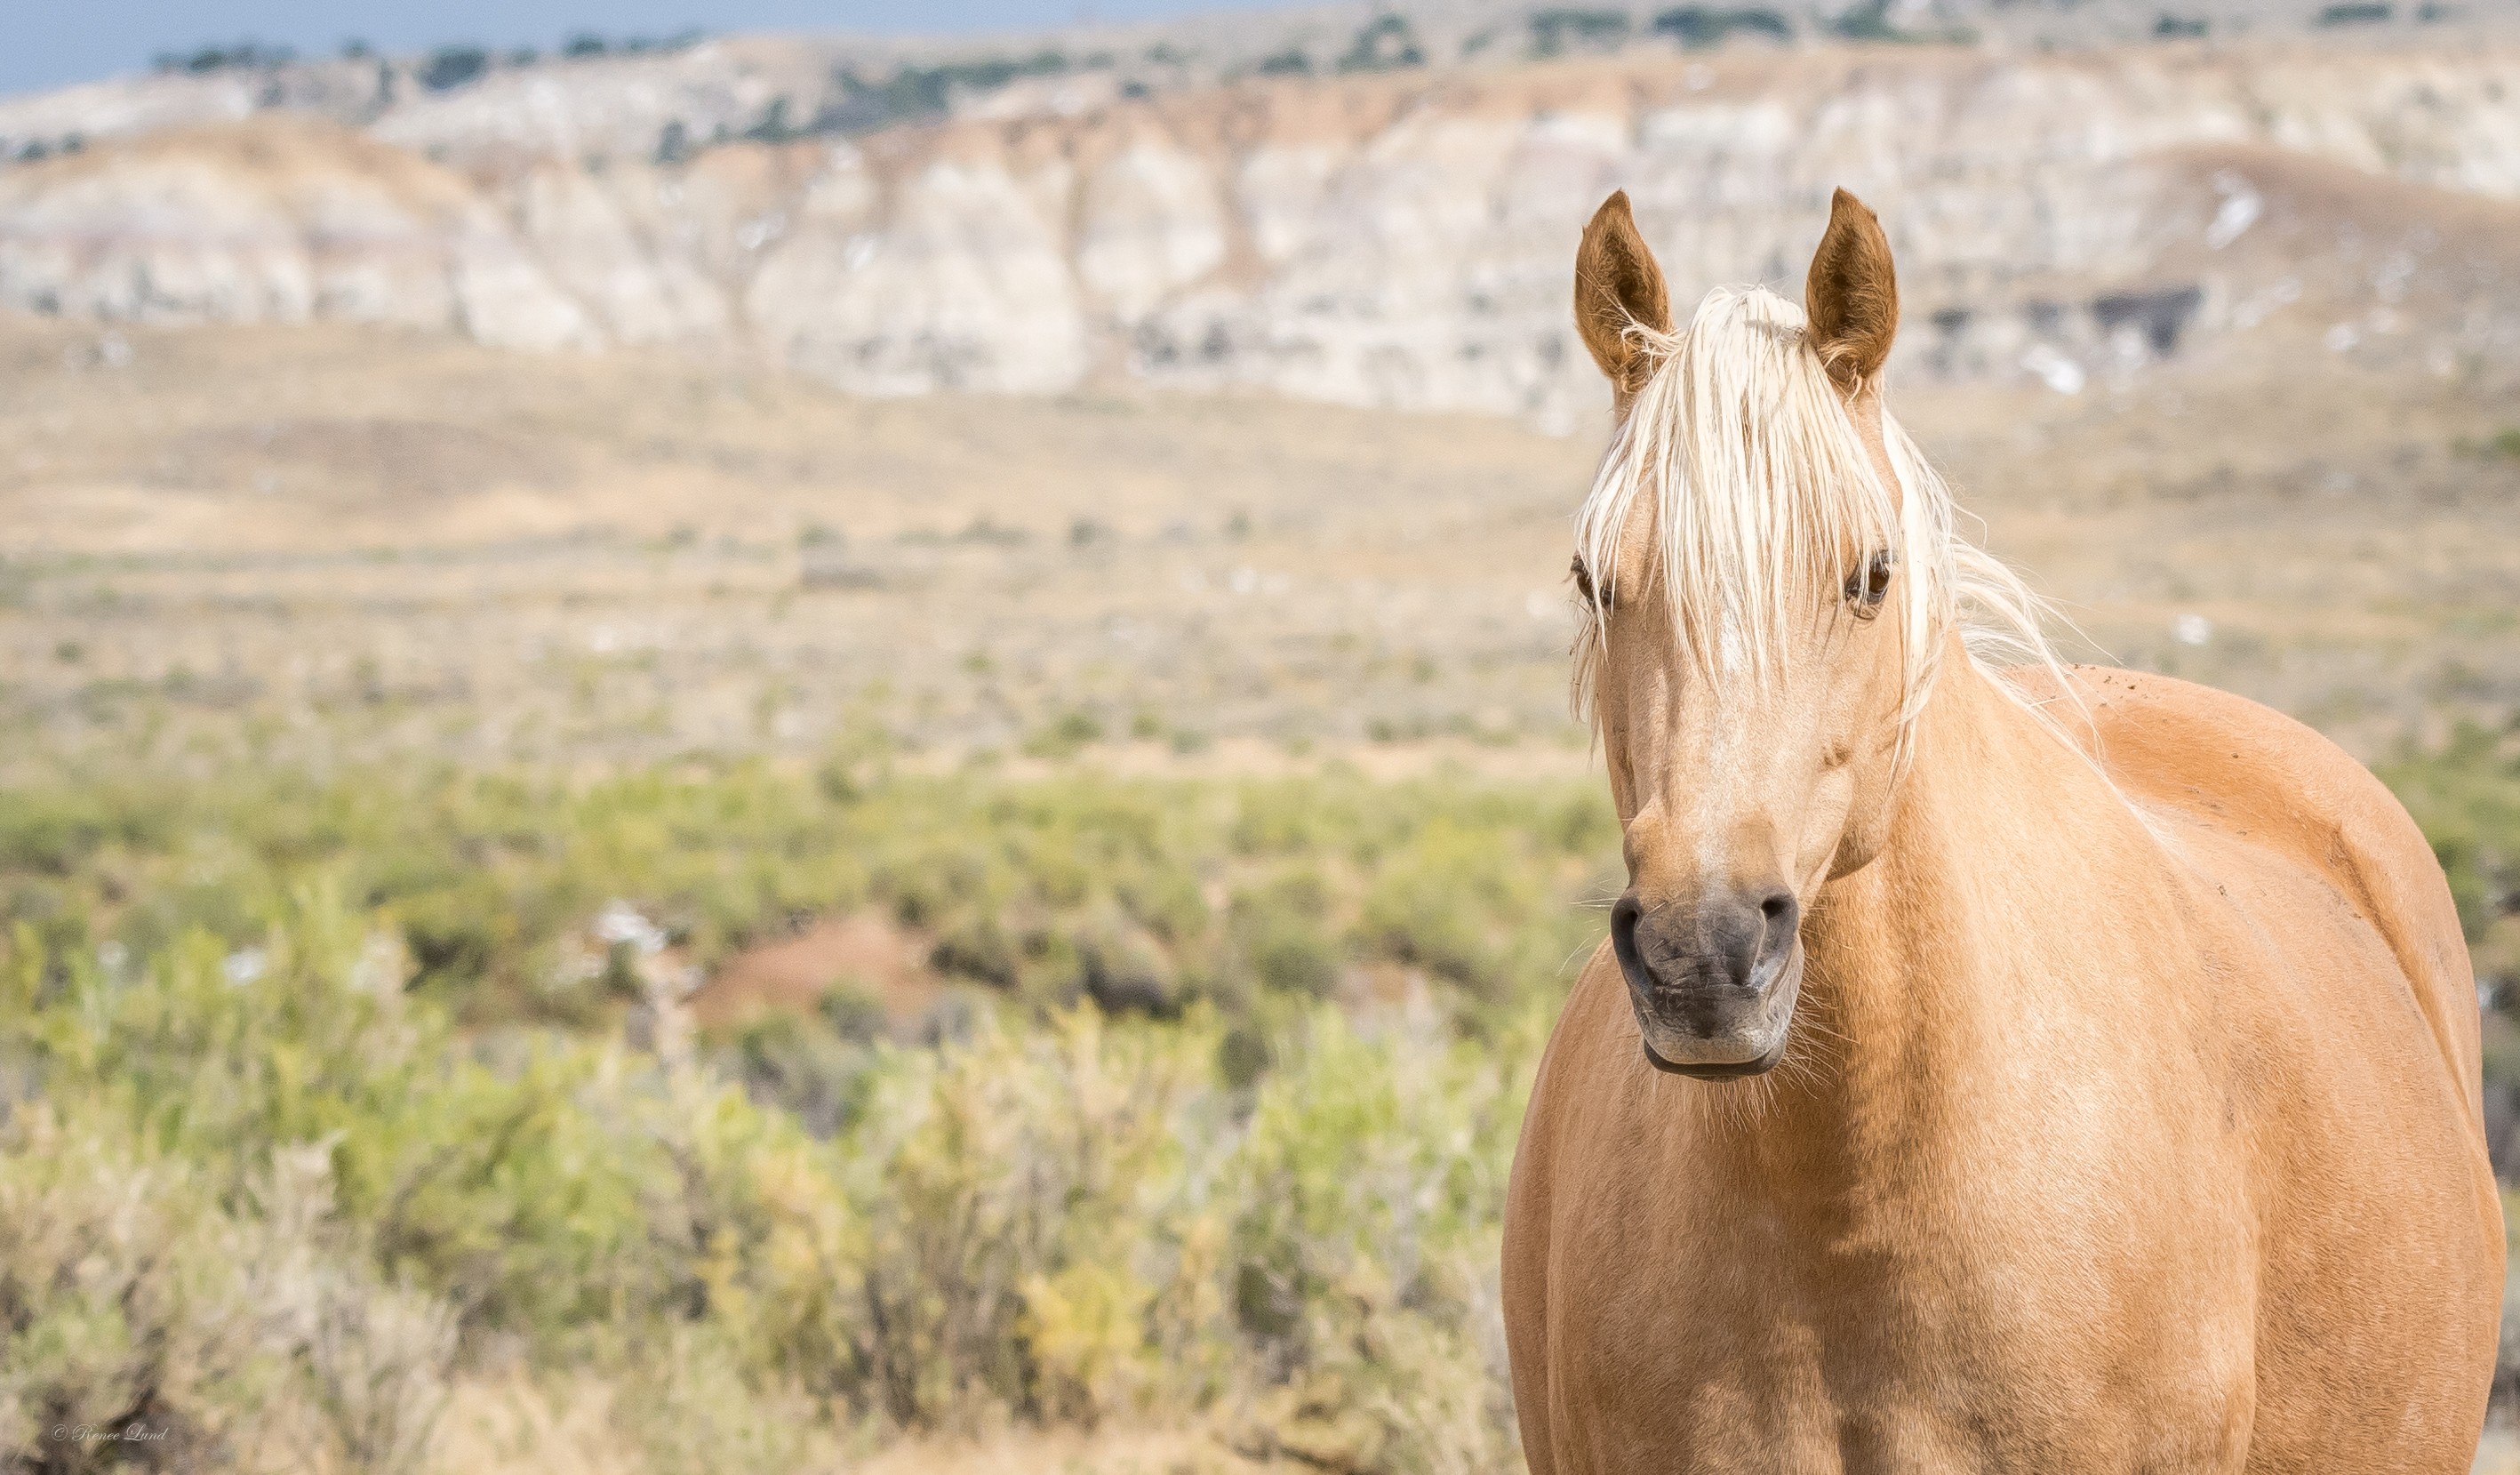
2248 773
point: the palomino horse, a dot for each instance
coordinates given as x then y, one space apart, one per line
1988 1070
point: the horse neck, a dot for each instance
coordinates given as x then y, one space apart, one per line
1908 959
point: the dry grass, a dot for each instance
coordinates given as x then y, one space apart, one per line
678 557
324 544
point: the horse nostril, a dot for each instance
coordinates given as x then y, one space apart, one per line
1624 915
1780 913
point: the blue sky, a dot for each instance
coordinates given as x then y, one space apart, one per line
49 42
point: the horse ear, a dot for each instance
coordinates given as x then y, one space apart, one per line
1852 296
1616 284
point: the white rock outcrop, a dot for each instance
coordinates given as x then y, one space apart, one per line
1397 241
264 222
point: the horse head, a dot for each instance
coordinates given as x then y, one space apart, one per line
1763 594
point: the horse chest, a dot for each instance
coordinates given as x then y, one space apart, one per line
1693 1333
1865 1362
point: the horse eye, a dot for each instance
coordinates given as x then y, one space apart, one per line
1584 582
1868 585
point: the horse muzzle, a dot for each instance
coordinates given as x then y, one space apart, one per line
1713 978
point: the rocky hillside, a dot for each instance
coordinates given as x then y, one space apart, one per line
1390 234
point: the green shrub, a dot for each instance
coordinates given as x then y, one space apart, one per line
1439 904
1065 737
1366 1255
158 1316
1281 938
120 1303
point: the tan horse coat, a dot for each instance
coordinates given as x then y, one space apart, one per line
2099 1149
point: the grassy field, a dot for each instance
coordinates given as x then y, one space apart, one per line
633 915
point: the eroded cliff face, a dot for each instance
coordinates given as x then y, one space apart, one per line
1380 241
274 222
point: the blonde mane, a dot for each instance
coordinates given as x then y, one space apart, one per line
1764 495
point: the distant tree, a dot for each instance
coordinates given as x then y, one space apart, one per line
1865 22
1553 31
1870 21
2170 27
1698 26
585 44
774 127
1289 63
2358 12
989 73
674 145
451 66
1384 45
356 50
860 103
243 55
